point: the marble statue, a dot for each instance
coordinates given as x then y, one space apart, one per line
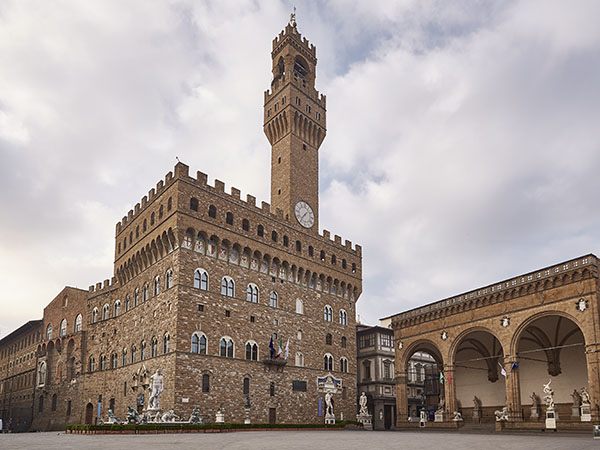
169 416
363 405
476 403
132 415
457 416
196 418
534 399
549 397
442 406
329 404
112 418
501 415
576 398
156 388
585 396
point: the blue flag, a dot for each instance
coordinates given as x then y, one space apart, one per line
272 348
514 366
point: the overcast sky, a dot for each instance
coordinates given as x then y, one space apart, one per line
463 141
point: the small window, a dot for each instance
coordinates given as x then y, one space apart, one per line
308 109
78 322
328 339
200 307
137 232
229 218
344 365
251 351
245 225
298 102
227 287
298 246
156 289
322 256
205 383
252 293
260 231
194 204
328 313
169 204
152 216
145 227
299 306
344 265
226 347
63 328
353 267
272 389
54 402
252 319
286 241
246 385
227 313
117 308
343 317
169 279
201 279
333 260
343 341
273 299
212 211
283 100
311 251
279 160
304 147
318 114
166 343
160 216
328 362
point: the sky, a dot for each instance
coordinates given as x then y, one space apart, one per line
463 142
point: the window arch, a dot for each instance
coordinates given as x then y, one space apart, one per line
328 339
274 236
201 279
49 331
169 279
212 211
328 313
154 348
245 225
343 341
299 335
145 292
127 304
252 293
143 351
252 351
166 343
42 369
298 246
117 308
311 251
226 347
91 364
260 231
286 241
343 317
299 306
102 362
205 382
343 364
152 216
63 328
194 204
328 361
199 343
105 311
133 353
113 361
229 218
169 204
95 315
124 357
227 286
273 299
299 359
156 289
78 322
136 297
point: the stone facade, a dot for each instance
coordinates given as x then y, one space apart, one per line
205 280
501 342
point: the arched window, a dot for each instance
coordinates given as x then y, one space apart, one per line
201 279
145 227
42 368
156 285
252 351
169 204
260 231
95 315
49 331
273 299
353 267
252 293
145 292
113 361
274 236
169 279
286 241
124 357
328 339
133 353
102 362
105 312
246 385
328 361
127 304
299 306
299 359
299 335
328 313
245 225
78 322
63 328
152 216
136 297
194 204
343 364
54 402
160 212
343 317
298 246
137 232
117 308
333 260
199 343
311 251
143 351
166 343
226 347
91 364
322 256
227 286
154 348
205 383
229 218
343 341
344 264
212 211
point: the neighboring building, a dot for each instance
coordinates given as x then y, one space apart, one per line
422 385
17 375
375 373
502 342
204 280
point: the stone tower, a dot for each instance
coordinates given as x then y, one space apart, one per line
294 122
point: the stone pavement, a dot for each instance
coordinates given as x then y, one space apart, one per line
301 440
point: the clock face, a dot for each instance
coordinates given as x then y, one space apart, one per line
304 214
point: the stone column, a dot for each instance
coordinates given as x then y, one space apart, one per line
450 389
513 389
401 400
592 357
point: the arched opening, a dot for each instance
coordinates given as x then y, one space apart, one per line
89 413
423 388
551 348
479 382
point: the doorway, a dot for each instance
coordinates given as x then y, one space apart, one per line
272 415
89 413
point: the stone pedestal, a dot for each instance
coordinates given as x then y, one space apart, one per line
535 413
440 416
575 411
247 412
550 419
329 419
476 414
586 413
422 418
366 420
219 417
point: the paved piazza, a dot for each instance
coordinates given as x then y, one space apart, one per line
282 440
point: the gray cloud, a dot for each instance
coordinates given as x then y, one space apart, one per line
462 141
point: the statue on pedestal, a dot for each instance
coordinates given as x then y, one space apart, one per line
328 404
156 388
363 405
585 396
535 401
549 397
501 415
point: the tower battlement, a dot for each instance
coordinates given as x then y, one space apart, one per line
303 44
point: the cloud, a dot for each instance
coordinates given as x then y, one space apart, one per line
462 142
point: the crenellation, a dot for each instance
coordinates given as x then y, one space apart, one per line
159 186
181 170
326 235
235 193
98 286
251 200
144 201
137 209
219 186
168 178
202 179
337 239
151 194
129 215
348 244
266 207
